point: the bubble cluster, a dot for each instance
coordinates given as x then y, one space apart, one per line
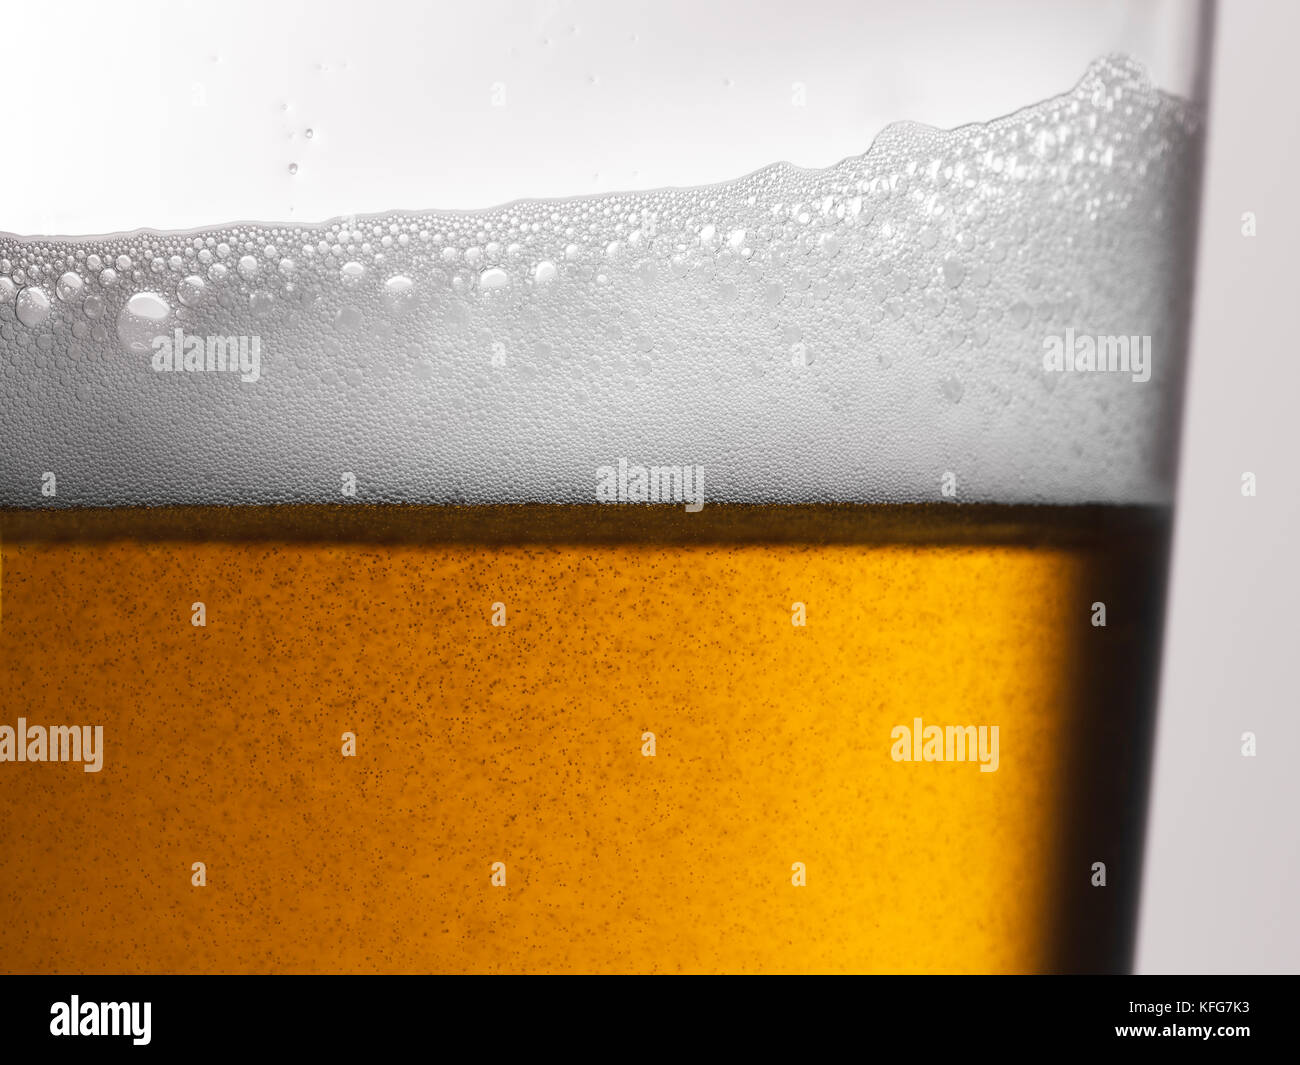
850 333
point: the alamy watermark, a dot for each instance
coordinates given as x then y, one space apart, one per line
630 483
191 353
954 743
75 1017
53 743
1087 353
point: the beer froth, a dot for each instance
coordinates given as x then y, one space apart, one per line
845 334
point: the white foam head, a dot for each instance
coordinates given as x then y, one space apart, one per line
848 334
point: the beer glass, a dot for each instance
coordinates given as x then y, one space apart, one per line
764 575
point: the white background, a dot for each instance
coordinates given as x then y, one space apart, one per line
171 115
1223 855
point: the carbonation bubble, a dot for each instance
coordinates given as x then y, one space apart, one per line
190 291
7 290
93 306
493 277
247 267
545 273
32 307
293 168
142 319
352 273
108 277
69 286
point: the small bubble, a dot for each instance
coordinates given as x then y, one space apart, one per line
293 168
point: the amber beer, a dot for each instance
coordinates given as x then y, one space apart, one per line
587 739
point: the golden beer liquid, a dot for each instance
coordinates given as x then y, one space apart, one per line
523 744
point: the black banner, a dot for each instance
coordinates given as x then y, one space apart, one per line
1225 1016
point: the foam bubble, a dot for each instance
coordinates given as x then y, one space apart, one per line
69 286
32 307
143 318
